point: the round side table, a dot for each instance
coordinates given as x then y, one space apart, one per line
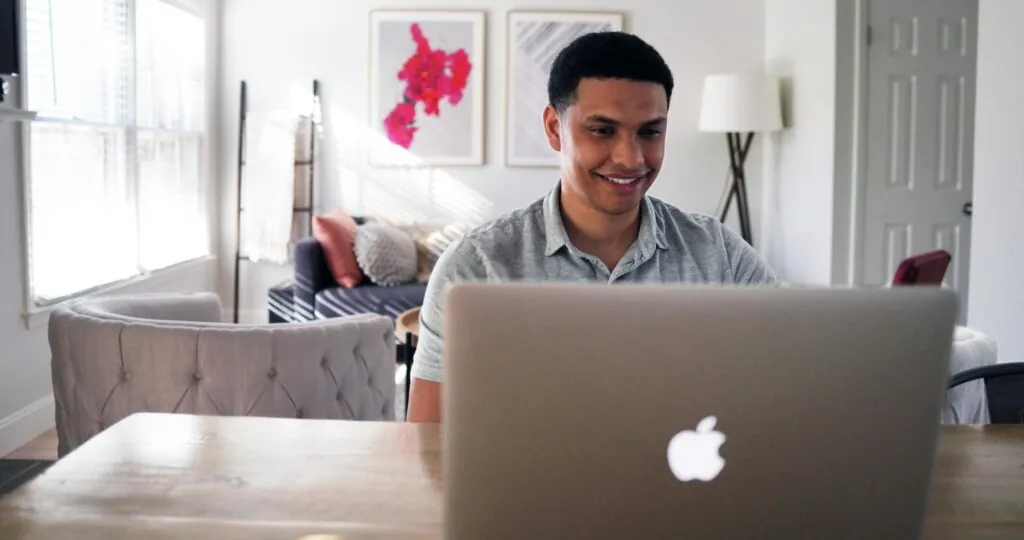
408 322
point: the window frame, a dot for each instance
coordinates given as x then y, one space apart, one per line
35 313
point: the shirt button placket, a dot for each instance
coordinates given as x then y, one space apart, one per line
593 265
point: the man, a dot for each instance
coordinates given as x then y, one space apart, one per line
609 95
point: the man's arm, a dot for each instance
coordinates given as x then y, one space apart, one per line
459 262
425 380
424 401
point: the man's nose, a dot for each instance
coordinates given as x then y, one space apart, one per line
627 153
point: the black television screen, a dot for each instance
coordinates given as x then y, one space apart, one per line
9 41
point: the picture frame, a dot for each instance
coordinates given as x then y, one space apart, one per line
427 95
533 39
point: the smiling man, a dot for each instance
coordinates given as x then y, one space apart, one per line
609 97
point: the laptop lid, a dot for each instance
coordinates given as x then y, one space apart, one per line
629 411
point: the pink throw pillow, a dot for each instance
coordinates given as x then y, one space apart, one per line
336 233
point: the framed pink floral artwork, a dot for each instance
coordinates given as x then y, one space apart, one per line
426 87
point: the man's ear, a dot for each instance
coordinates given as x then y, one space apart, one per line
552 125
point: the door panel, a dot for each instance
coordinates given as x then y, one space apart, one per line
921 64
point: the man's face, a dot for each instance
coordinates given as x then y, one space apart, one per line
612 142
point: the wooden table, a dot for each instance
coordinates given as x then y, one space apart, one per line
157 476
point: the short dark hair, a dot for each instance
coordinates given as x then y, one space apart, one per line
605 55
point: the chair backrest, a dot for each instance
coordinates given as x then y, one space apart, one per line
115 356
1004 390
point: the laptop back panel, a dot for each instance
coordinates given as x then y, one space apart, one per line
562 405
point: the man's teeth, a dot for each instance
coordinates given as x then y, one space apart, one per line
622 181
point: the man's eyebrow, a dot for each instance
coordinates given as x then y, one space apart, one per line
602 119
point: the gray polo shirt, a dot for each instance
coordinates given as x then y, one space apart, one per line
531 244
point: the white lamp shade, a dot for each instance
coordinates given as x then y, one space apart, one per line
741 103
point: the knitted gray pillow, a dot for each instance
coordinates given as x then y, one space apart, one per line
386 254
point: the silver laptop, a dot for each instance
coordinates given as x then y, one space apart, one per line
630 411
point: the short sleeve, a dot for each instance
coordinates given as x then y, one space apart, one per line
748 267
459 263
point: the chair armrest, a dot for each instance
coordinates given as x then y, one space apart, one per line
312 275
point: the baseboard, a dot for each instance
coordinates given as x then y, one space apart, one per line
17 429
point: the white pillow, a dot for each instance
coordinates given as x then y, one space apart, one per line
386 254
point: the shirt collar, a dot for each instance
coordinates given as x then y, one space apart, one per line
652 230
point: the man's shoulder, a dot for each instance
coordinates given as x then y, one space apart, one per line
495 239
708 241
508 227
680 226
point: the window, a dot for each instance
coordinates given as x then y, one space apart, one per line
116 188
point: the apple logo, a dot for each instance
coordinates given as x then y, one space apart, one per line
693 455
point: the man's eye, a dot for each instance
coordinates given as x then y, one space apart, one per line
602 131
650 133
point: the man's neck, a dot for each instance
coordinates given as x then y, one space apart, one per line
604 236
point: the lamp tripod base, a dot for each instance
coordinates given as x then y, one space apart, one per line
738 150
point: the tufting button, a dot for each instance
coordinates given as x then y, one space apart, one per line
299 413
272 373
340 396
323 362
125 376
197 376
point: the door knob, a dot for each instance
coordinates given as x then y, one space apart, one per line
968 208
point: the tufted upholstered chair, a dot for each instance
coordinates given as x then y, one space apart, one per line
115 356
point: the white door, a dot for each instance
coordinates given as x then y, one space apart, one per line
921 63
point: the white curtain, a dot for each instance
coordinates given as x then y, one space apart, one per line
268 186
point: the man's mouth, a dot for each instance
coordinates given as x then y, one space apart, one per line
622 179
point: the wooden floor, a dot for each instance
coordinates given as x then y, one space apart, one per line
42 447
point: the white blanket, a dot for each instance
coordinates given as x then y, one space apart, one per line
268 186
966 403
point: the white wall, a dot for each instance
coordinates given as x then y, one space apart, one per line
806 214
280 47
24 379
26 401
800 47
997 261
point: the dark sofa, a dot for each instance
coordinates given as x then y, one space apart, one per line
316 295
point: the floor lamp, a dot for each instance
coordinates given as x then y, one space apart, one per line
740 105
